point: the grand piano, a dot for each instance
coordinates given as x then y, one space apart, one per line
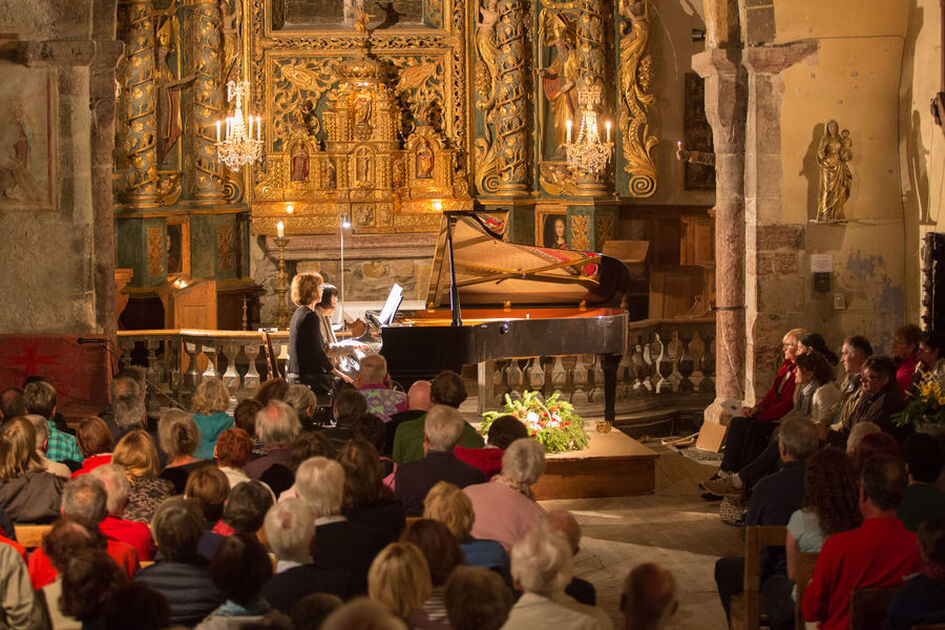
491 299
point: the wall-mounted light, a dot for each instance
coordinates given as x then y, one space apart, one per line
438 205
289 209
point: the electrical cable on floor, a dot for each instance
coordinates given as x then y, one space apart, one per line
675 440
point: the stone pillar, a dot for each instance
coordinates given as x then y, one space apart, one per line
140 146
725 104
203 30
512 92
773 249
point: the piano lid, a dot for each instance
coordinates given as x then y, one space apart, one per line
490 270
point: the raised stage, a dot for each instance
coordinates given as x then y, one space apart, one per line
613 465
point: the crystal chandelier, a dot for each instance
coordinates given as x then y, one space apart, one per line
237 147
588 155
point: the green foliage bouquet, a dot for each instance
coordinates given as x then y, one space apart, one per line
553 423
927 407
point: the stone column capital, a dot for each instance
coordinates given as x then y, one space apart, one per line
717 62
775 59
35 54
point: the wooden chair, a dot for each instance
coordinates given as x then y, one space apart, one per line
803 573
31 536
868 607
746 606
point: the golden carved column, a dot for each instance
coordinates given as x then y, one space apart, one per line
634 80
204 33
511 99
140 113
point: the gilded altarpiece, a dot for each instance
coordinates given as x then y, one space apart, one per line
367 122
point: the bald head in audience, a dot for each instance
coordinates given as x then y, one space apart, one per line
564 522
418 396
649 597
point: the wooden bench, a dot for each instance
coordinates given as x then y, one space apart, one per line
31 536
746 606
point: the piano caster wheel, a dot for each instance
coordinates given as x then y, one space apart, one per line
604 427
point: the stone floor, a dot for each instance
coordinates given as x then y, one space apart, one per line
673 527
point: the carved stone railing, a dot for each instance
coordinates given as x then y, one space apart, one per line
178 360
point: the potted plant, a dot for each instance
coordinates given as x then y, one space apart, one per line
926 410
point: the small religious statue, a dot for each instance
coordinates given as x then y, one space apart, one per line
310 118
424 160
331 178
299 171
362 109
560 77
833 156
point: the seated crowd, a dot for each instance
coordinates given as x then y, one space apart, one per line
847 476
397 514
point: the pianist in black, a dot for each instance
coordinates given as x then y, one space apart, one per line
308 363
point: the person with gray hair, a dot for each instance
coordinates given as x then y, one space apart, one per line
564 522
443 426
303 400
84 499
42 442
128 413
505 506
290 530
340 545
374 383
277 425
117 489
541 567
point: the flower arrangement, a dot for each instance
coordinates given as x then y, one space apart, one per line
553 423
928 405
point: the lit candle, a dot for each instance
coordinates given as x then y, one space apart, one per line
679 145
607 126
280 229
568 126
218 131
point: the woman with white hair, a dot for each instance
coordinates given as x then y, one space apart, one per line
505 507
290 530
541 568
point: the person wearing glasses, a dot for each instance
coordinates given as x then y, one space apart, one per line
881 397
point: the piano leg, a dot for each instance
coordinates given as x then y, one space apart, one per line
609 363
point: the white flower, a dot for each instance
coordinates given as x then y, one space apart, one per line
531 418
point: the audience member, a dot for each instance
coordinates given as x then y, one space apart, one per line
28 494
367 502
19 605
905 353
277 425
89 579
117 489
281 478
448 390
814 342
874 443
477 599
924 459
303 400
129 413
443 427
12 403
245 509
856 350
339 544
541 567
65 539
84 500
240 569
649 598
41 428
930 355
179 573
503 431
272 389
878 553
773 501
564 522
505 507
830 505
312 610
749 434
857 433
244 416
371 429
361 614
136 606
443 555
179 438
374 383
209 488
40 398
881 396
418 403
921 600
137 455
446 503
290 530
350 405
95 442
233 450
399 580
210 402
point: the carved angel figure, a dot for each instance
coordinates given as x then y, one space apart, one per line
833 155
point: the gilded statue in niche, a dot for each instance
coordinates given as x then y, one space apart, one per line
331 174
362 109
299 171
560 77
169 87
424 160
833 156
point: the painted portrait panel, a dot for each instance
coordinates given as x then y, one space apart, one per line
27 144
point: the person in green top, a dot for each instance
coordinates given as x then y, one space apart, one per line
924 458
447 389
209 406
